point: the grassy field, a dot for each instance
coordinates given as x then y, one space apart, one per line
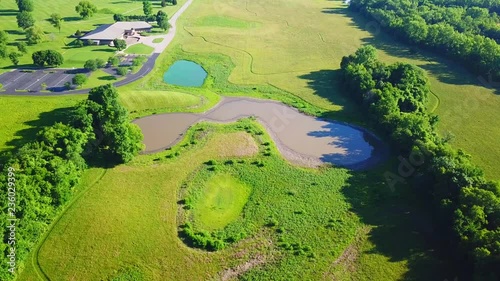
139 49
61 41
308 240
100 77
287 50
157 40
297 47
218 202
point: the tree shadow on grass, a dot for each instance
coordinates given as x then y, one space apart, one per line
72 19
401 228
24 136
326 84
335 10
107 78
8 12
14 32
444 69
47 119
108 50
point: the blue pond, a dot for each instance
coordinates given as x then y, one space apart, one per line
185 73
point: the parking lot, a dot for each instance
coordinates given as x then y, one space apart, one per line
32 80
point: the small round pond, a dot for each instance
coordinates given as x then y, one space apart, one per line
185 73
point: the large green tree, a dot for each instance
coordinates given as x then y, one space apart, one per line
25 5
35 35
162 20
147 8
47 57
3 44
56 20
85 9
25 20
120 44
114 137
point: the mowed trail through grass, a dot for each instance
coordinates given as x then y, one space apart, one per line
297 46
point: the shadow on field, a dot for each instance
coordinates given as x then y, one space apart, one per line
107 78
109 50
326 84
444 69
45 119
401 230
72 18
8 12
340 11
14 32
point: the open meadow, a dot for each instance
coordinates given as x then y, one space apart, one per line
297 47
289 223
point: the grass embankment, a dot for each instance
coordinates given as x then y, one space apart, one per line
61 40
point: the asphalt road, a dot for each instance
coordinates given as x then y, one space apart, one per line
29 83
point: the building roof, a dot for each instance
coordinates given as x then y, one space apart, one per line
115 30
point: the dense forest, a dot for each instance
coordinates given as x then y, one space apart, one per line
47 169
466 31
465 205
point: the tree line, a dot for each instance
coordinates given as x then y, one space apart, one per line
47 169
465 205
466 32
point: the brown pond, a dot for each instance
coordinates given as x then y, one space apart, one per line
300 138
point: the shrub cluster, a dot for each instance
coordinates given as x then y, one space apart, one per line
466 205
201 239
47 57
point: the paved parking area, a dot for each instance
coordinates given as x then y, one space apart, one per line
32 80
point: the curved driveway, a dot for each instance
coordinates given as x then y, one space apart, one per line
145 69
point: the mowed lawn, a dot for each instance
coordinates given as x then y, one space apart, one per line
219 202
139 49
149 102
62 41
298 45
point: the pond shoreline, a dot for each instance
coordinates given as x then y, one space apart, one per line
333 142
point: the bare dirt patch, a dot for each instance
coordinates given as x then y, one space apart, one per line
237 144
346 262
